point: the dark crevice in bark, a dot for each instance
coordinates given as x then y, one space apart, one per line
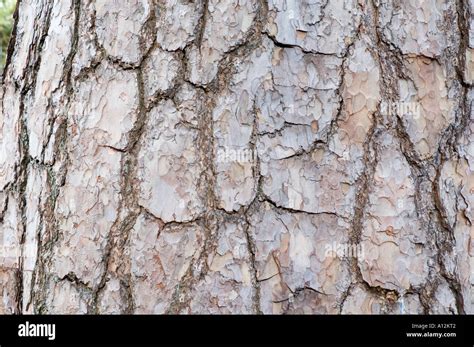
128 210
201 27
55 179
428 204
212 218
363 182
22 170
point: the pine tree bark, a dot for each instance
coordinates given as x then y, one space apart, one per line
175 156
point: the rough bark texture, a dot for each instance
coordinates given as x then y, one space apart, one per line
215 156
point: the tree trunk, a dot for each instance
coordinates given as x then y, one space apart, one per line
175 156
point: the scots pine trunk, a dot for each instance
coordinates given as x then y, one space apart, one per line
259 156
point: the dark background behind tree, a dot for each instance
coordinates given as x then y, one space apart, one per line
6 20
